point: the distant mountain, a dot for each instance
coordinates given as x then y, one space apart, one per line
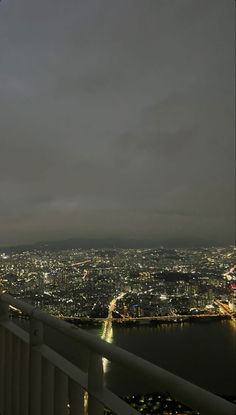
113 243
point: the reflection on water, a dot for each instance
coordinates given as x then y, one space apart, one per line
203 353
107 332
107 335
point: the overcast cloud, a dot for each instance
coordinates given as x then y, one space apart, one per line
117 119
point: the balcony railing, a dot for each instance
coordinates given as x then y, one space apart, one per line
36 380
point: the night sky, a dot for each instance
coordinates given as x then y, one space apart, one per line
117 120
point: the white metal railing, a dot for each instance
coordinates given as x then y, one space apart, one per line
36 380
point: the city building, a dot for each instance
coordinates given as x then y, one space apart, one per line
232 300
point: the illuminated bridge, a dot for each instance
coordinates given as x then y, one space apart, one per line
35 379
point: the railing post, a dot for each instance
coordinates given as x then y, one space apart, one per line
95 384
16 375
8 373
76 398
24 378
2 366
4 315
47 387
60 393
35 367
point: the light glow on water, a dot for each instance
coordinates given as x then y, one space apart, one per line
107 331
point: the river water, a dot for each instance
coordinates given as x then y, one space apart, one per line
203 353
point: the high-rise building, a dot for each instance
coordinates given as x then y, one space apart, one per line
232 301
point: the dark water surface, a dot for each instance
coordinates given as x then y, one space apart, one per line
203 353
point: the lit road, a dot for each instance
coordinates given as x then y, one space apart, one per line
224 308
170 317
107 322
77 264
107 328
228 273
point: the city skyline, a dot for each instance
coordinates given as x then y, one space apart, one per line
159 304
117 121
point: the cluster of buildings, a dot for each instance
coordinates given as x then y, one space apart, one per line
155 282
232 299
153 404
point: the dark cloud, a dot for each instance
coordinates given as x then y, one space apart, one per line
156 143
117 119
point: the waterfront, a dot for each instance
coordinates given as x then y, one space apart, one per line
203 353
136 298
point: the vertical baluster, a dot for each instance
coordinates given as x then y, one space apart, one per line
95 384
4 315
15 375
8 372
47 388
60 393
35 367
76 398
2 367
24 378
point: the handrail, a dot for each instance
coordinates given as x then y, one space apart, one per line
184 391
